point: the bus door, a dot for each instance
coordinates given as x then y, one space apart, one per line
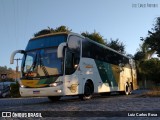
72 65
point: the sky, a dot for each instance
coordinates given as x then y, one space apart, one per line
126 20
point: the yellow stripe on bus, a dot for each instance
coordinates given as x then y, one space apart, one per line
32 83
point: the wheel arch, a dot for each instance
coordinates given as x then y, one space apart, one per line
91 82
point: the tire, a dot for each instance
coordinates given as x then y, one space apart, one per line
130 87
88 91
127 89
54 98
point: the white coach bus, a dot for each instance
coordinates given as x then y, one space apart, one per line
62 64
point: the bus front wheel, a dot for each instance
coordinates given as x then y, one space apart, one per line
88 91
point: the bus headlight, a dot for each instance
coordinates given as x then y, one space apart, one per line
56 84
58 91
22 86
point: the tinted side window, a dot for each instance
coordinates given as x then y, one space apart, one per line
95 51
86 48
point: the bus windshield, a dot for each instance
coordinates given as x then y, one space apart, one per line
42 62
40 58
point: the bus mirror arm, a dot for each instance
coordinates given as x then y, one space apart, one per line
14 53
60 50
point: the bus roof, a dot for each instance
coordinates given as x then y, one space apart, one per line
50 34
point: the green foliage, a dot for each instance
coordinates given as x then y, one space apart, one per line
157 24
147 68
151 69
153 39
95 36
142 58
145 52
14 91
139 56
43 32
117 45
62 29
51 30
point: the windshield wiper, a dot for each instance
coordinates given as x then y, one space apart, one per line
32 66
37 61
43 67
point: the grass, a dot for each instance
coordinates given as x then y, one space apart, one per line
153 92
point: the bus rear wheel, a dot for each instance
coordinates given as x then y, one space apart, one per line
128 88
54 98
131 87
88 91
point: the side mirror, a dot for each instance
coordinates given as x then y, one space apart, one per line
60 50
14 53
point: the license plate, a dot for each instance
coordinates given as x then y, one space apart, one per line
36 92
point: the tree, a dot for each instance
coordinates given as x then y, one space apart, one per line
62 29
153 39
151 44
142 56
145 52
139 56
95 36
117 45
151 69
51 30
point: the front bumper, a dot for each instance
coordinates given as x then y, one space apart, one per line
41 92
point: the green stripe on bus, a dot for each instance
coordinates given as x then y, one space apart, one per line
106 73
47 80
